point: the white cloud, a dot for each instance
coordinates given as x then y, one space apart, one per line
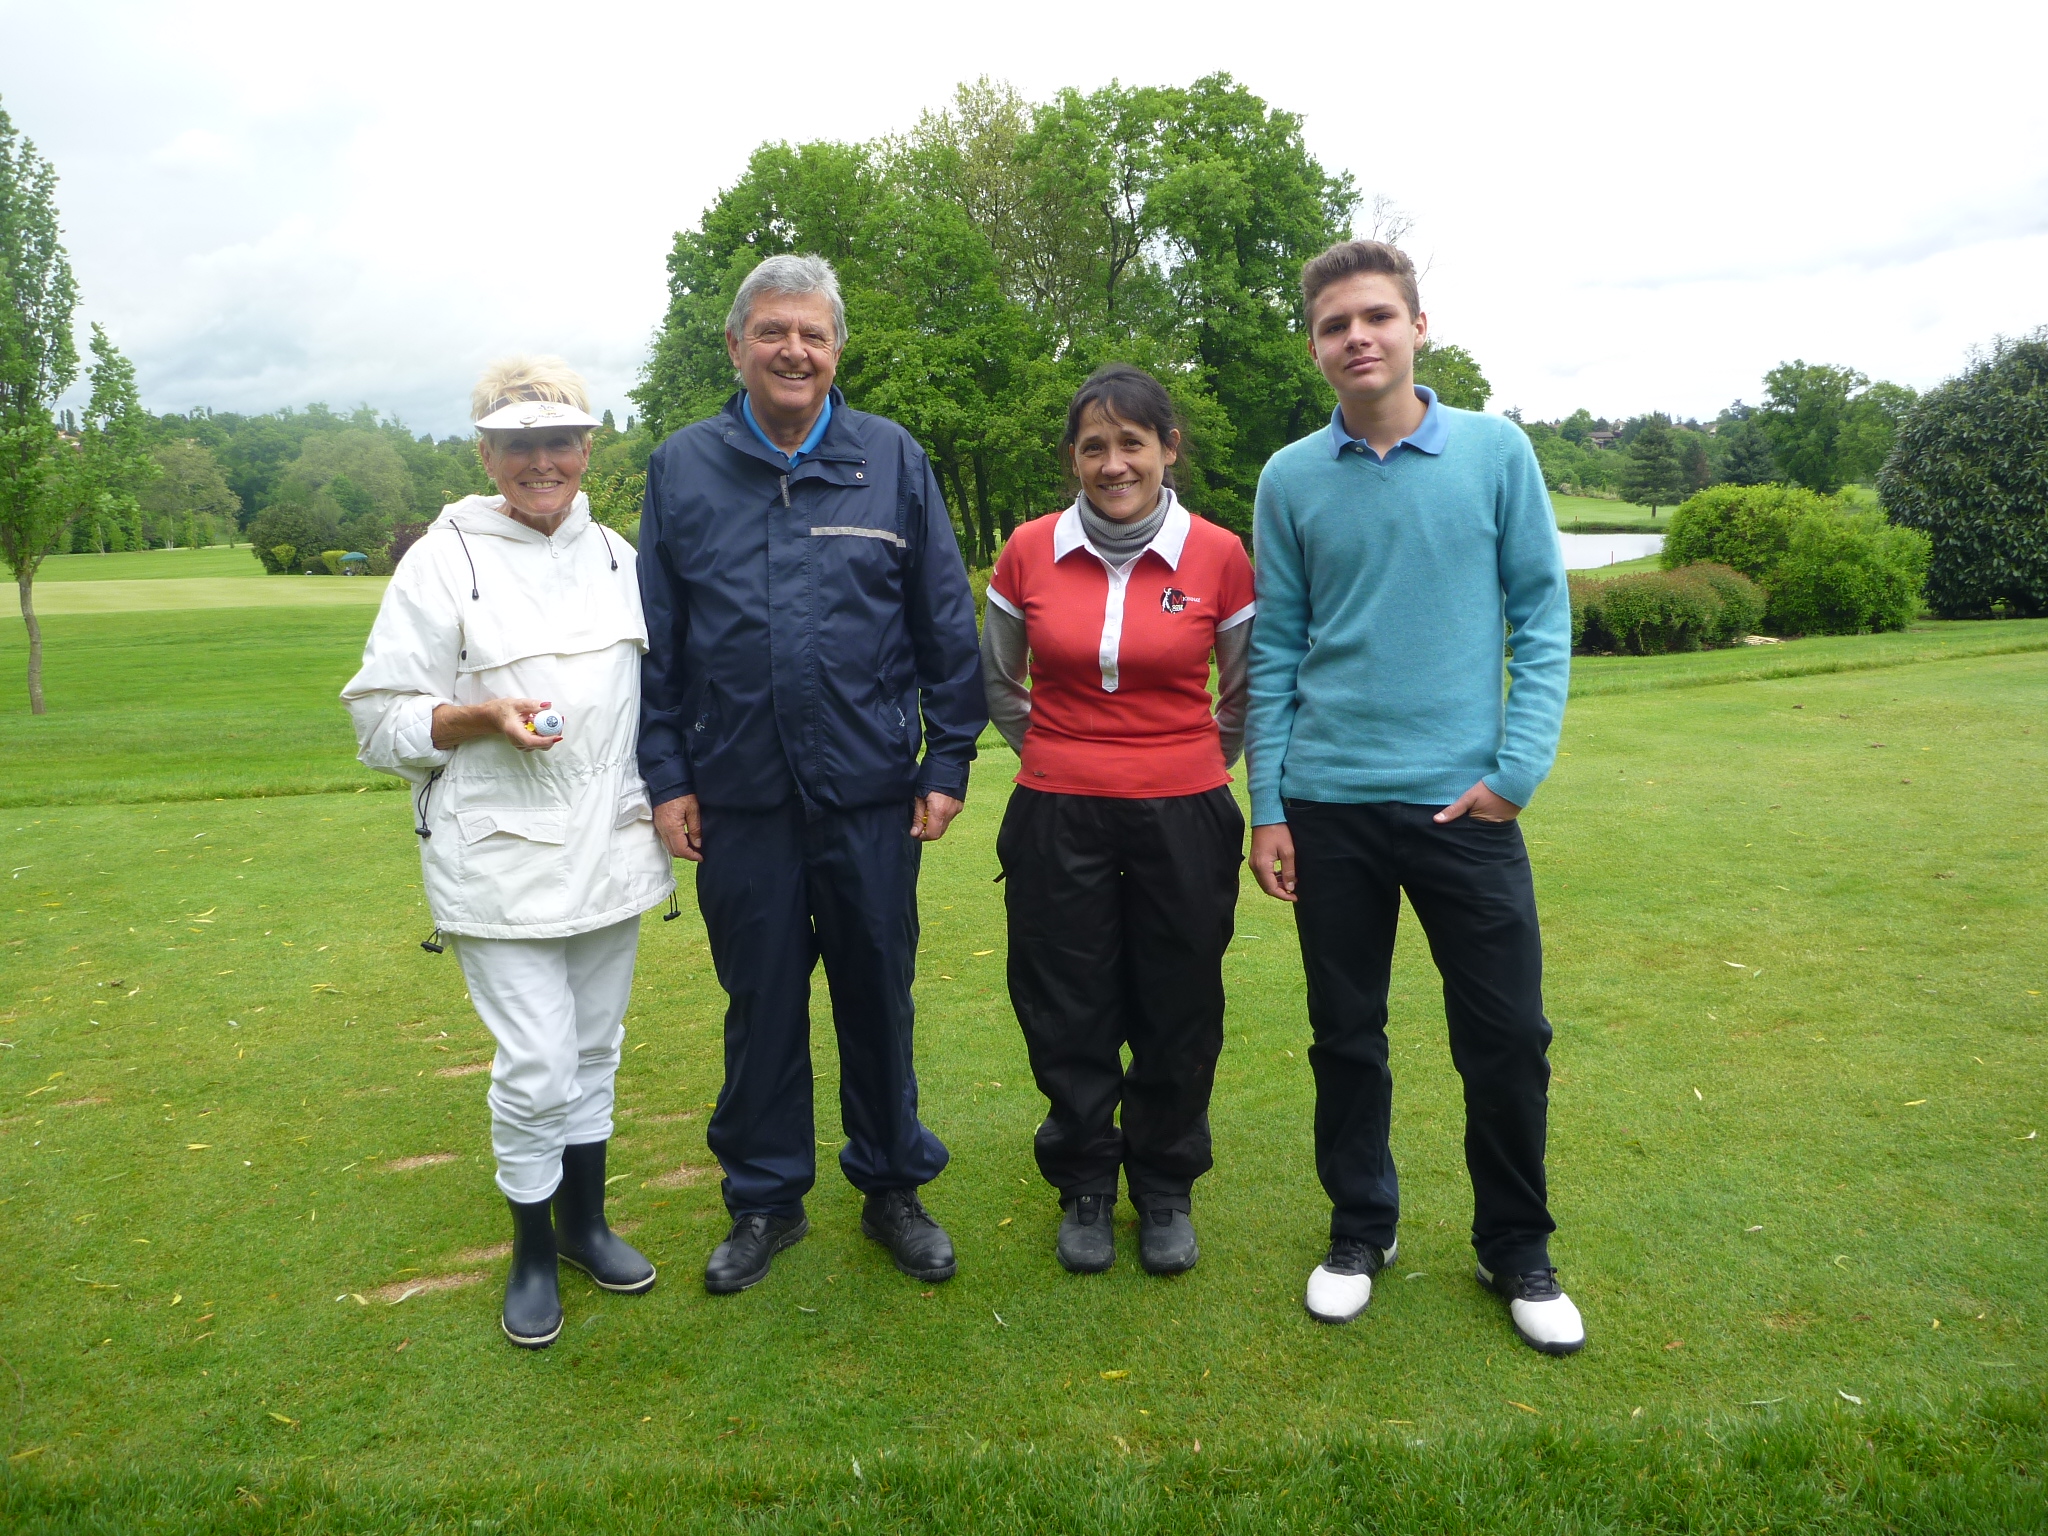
1627 208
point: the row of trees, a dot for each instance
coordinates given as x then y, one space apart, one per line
1820 427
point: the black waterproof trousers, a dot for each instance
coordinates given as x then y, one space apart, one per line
780 889
1120 911
1470 885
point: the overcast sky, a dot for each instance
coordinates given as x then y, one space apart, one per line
1623 207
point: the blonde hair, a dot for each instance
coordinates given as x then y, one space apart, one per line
512 379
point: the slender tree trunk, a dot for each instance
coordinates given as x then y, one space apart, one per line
984 523
26 582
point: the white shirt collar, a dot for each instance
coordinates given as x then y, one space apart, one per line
1167 543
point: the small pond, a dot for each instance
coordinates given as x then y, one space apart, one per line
1587 551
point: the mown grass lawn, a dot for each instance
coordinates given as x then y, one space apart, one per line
1797 959
1589 512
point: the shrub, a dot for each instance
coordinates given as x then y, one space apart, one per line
1742 600
331 559
1970 470
1584 590
1656 611
1846 574
1745 527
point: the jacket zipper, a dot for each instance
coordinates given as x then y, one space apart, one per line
785 490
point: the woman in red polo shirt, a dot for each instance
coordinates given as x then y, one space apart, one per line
1122 843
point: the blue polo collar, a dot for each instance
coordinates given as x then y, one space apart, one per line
1430 437
810 443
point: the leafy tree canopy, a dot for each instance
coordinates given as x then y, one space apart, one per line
1970 469
1828 426
1000 250
1454 374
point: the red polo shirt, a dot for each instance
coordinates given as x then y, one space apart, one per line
1120 702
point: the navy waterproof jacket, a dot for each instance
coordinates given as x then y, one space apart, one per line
808 629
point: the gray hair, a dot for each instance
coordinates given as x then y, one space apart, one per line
787 274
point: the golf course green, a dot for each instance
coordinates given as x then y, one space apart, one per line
1796 965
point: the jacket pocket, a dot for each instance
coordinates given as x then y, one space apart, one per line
533 826
633 806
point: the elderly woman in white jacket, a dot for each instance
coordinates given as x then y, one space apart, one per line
502 679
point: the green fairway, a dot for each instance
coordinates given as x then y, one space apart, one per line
1796 974
1588 513
152 565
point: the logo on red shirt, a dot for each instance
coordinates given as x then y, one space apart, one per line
1173 600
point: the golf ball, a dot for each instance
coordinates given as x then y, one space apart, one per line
548 722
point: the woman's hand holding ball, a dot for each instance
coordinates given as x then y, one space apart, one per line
519 721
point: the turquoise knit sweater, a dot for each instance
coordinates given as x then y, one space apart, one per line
1383 590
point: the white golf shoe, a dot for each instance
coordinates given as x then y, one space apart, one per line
1340 1286
1543 1315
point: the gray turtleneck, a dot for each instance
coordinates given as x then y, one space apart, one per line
1118 542
1005 648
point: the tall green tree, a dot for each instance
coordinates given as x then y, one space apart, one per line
1454 374
998 251
1828 426
1653 473
38 361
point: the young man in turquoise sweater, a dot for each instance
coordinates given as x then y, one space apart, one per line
1396 548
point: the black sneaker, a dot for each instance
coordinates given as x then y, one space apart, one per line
1087 1244
743 1258
1340 1286
1543 1315
896 1219
1166 1242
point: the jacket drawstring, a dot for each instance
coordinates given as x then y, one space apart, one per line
472 564
608 545
674 911
421 800
432 943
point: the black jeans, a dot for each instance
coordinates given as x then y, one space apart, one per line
1120 911
779 891
1469 883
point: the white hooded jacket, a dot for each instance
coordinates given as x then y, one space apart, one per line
519 845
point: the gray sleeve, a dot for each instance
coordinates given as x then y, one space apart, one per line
1233 687
1003 673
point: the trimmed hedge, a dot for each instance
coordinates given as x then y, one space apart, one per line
1657 611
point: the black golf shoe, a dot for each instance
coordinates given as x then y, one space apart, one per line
1166 1242
743 1258
1087 1242
896 1219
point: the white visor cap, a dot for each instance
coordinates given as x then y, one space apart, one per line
536 415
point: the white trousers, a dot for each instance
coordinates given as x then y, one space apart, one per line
556 1008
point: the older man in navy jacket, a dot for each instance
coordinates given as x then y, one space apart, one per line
809 626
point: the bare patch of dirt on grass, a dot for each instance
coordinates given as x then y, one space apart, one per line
680 1178
424 1160
688 1114
1787 1322
77 1103
468 1069
490 1253
424 1285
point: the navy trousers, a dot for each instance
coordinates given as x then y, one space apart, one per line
1470 884
781 889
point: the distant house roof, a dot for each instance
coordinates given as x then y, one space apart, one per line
1602 439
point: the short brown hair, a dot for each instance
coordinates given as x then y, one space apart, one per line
1349 257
